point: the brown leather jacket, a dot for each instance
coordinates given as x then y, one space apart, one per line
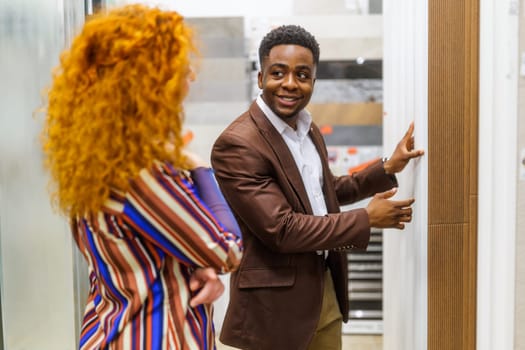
276 294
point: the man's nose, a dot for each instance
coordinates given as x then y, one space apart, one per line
289 81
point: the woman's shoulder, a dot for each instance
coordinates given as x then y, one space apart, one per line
162 173
165 168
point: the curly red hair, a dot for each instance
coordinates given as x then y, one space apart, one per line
115 103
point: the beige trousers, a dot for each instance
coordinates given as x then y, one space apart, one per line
328 335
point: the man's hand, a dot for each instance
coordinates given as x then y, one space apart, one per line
403 153
211 287
385 213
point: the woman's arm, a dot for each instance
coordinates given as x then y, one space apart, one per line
210 193
165 208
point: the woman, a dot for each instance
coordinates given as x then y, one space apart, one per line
147 216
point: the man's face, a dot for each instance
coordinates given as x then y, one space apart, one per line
287 80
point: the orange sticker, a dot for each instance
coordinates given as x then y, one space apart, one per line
351 150
326 129
187 137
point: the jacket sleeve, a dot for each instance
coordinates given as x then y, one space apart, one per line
363 184
164 207
253 182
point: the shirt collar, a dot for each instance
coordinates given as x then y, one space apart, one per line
304 120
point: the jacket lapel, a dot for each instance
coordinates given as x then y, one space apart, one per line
282 153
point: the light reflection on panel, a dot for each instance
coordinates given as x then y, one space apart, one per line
36 255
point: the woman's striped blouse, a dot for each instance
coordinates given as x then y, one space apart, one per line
141 250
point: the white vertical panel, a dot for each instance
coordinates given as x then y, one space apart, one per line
36 247
497 173
405 76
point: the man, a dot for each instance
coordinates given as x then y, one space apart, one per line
290 291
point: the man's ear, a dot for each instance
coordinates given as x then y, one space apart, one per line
260 80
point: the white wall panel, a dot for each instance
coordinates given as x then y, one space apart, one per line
405 79
498 89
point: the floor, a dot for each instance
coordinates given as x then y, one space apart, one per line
350 342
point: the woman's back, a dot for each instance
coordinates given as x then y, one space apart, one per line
141 251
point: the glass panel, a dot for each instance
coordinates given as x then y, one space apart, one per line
36 250
1 328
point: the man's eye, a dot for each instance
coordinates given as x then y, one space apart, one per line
302 75
277 74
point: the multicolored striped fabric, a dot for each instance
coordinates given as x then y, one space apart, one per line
141 250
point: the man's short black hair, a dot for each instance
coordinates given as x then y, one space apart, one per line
288 35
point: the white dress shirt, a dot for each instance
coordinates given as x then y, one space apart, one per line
304 153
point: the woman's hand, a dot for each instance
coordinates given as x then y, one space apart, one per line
211 287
